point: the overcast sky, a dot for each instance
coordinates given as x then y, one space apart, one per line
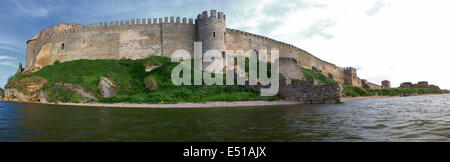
398 40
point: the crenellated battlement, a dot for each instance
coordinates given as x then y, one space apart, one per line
212 15
67 28
273 41
260 37
349 70
138 22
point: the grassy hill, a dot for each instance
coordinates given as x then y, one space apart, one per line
129 76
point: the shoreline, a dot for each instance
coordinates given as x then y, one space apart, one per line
239 104
365 98
347 98
219 104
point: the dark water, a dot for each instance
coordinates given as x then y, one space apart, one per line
421 118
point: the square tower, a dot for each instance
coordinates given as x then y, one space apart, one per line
350 76
385 84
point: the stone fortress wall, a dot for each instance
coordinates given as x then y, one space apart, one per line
135 39
140 38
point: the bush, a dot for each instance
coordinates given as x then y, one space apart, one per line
312 75
2 92
151 83
356 91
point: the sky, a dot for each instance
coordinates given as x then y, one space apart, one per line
397 40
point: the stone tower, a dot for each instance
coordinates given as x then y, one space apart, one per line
350 76
211 30
385 84
20 68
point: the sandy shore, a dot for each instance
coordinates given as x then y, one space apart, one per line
366 97
191 105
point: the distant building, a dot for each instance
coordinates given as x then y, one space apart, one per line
385 84
422 85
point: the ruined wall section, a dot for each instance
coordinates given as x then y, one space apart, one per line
236 39
351 78
368 85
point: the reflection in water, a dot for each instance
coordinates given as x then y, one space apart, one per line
421 118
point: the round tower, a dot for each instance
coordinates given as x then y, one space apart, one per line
211 30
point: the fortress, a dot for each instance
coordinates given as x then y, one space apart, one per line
141 38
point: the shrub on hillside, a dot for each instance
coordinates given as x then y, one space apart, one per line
151 83
312 75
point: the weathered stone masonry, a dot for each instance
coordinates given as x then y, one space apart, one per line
306 92
140 38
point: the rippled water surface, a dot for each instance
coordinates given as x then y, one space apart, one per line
421 118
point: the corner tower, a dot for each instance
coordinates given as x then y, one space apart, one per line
211 30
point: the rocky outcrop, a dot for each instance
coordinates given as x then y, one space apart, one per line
149 68
25 90
14 95
68 87
43 98
106 87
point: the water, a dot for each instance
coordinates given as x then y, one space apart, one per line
421 118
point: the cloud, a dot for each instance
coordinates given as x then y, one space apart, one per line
372 36
376 8
12 48
274 18
9 64
318 29
34 8
6 58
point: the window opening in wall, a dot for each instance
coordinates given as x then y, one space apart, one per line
214 34
62 46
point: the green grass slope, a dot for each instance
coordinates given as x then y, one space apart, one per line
311 74
129 76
